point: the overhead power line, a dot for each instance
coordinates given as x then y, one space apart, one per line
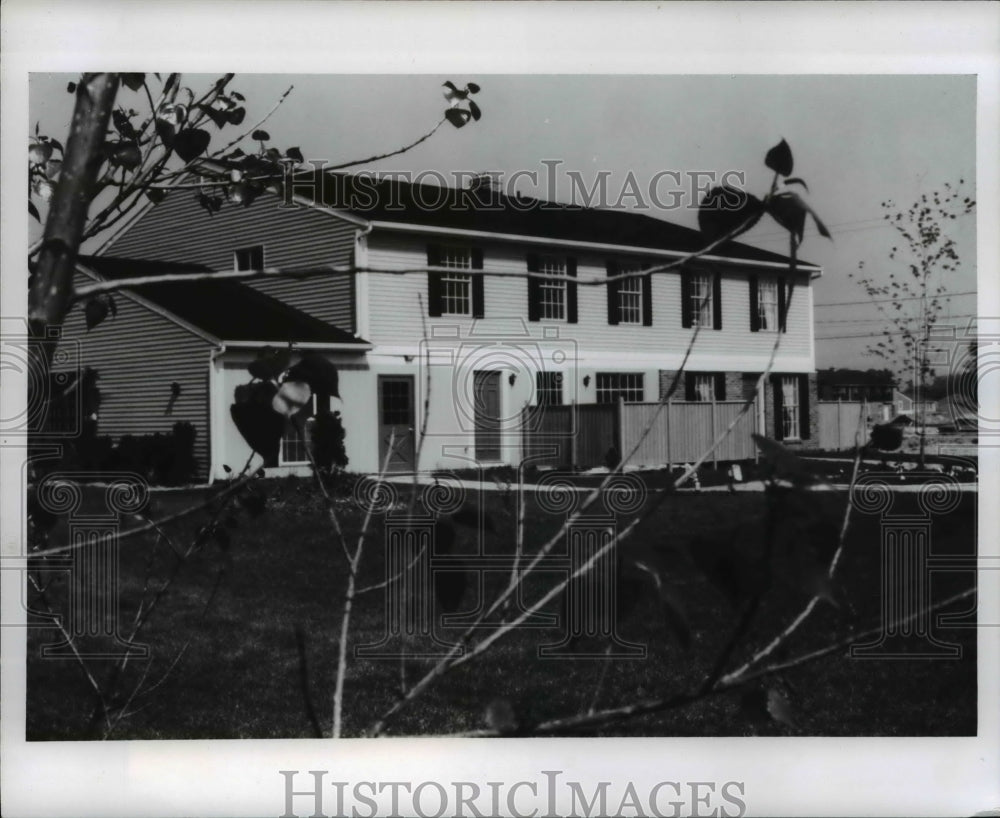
888 300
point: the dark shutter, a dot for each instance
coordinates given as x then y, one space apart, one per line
754 310
612 294
717 301
685 299
647 300
571 290
804 407
689 393
534 289
478 284
778 404
781 303
434 288
720 385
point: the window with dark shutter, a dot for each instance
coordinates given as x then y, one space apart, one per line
647 301
534 289
434 284
720 385
612 289
478 285
717 301
754 306
686 313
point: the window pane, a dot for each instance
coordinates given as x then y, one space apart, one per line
790 406
767 303
552 293
250 258
630 297
548 388
614 385
456 288
700 306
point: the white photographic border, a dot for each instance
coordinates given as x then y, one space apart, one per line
782 776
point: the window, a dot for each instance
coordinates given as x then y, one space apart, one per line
552 293
614 385
630 299
298 435
548 388
704 386
250 258
552 299
455 292
790 407
767 304
700 300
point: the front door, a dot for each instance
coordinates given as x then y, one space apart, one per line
487 415
396 422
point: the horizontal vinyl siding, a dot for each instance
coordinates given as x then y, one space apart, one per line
138 355
179 230
395 317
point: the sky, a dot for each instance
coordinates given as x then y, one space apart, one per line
857 140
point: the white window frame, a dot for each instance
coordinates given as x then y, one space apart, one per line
700 306
630 295
629 385
767 305
790 404
236 257
456 287
552 292
542 388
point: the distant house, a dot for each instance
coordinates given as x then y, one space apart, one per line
487 345
904 404
872 385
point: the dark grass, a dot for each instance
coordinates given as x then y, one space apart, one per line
240 676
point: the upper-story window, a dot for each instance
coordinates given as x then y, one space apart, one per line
701 300
767 304
552 293
458 290
630 296
629 386
250 258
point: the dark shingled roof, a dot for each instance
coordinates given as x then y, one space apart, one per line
394 200
227 309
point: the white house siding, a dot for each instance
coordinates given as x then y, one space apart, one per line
138 354
395 318
299 237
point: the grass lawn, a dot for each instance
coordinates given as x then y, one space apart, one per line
240 675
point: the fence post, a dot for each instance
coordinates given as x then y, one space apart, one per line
620 428
840 423
715 449
574 420
670 460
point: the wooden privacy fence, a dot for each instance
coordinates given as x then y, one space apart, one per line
838 422
581 435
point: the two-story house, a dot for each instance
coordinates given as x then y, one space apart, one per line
459 352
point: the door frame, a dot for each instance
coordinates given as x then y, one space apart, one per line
379 425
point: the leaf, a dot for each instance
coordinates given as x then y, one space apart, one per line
457 117
219 117
474 110
789 210
291 397
133 81
123 124
34 212
166 131
259 424
53 168
55 143
294 154
501 716
260 136
155 195
170 84
191 143
724 209
237 115
211 203
473 88
96 310
239 96
39 152
226 469
779 708
797 181
71 87
318 372
270 363
125 154
779 159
